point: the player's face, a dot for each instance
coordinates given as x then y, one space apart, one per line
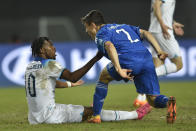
48 50
91 30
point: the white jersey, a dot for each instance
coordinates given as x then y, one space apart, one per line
167 11
40 82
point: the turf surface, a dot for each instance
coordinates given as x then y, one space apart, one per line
13 108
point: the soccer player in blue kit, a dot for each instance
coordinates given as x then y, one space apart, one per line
130 59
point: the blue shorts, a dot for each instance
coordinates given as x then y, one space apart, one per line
145 78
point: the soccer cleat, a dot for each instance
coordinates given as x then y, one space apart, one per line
95 119
171 110
143 110
138 103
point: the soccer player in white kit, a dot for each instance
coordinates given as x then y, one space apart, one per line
41 80
162 27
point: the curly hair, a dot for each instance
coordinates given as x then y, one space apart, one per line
37 44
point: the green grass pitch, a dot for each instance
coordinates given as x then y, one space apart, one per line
13 108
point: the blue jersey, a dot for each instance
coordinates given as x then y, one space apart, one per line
126 39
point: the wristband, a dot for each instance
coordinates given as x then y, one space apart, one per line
68 83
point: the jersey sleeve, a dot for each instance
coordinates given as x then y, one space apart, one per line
54 69
101 38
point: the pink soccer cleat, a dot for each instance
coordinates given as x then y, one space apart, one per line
143 110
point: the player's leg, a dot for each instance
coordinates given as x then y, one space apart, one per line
140 100
178 62
167 68
161 101
171 47
63 113
108 74
149 80
100 94
112 115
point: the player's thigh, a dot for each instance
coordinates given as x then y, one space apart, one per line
147 81
105 77
170 46
66 114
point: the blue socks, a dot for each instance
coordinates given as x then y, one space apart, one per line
161 101
99 96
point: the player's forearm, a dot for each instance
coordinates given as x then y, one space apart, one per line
157 11
78 74
112 53
152 41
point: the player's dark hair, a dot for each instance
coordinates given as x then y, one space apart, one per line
93 16
37 44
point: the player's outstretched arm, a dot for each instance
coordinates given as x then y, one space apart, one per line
162 55
62 84
78 74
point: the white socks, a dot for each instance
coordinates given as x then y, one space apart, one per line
110 115
166 69
141 97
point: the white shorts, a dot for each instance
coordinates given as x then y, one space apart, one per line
170 46
60 113
66 114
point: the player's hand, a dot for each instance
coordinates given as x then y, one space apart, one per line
165 32
178 28
162 55
126 73
78 83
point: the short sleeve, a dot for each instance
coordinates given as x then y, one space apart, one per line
102 37
53 69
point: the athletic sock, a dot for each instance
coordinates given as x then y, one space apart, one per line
99 96
141 97
110 115
161 101
166 69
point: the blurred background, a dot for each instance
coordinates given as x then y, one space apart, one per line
23 20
